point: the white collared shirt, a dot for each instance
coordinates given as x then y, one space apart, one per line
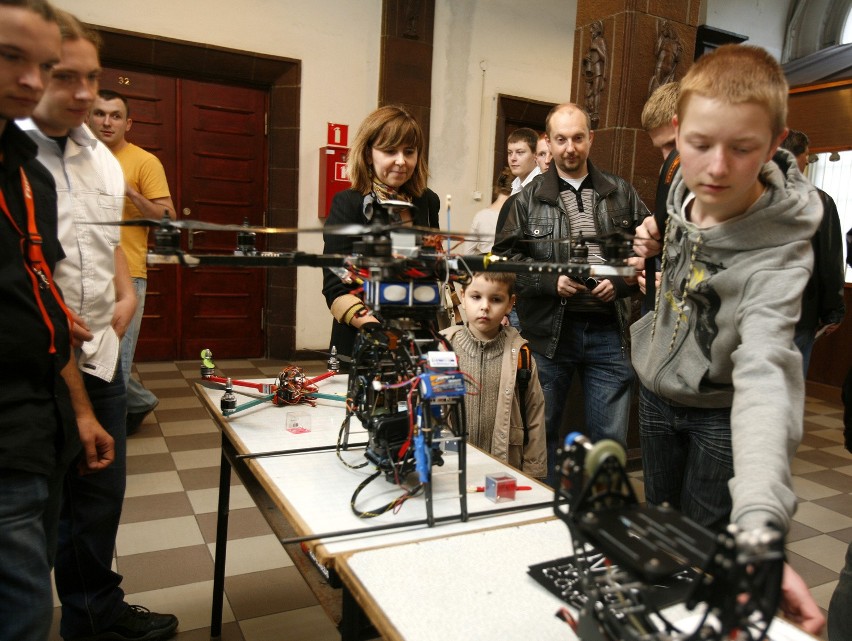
89 188
517 185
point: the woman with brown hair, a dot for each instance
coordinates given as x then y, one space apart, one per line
386 162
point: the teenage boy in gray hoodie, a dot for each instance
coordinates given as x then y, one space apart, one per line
722 385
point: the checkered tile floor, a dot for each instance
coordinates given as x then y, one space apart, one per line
167 535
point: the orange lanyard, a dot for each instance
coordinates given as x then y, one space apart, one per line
38 269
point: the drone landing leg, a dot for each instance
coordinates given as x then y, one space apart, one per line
430 514
459 409
344 442
588 628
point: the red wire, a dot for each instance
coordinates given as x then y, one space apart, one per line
407 444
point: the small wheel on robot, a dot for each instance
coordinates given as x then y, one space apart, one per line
602 450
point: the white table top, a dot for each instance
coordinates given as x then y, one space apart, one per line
475 586
314 490
263 427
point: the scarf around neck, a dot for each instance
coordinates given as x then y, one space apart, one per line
384 193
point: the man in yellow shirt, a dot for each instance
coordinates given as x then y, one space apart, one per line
147 196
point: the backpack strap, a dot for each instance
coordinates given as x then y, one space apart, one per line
524 377
34 260
664 184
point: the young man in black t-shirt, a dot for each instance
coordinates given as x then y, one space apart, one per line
40 386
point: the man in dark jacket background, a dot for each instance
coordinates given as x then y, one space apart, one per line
571 325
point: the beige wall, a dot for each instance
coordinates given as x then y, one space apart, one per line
526 50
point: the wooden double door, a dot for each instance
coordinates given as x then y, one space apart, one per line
211 139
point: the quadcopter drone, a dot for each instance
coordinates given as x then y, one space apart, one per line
733 578
385 251
292 387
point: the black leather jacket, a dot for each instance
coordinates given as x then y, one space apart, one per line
822 302
538 212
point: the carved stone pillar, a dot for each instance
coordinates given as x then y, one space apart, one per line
405 77
622 50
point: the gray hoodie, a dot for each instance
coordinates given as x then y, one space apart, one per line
729 341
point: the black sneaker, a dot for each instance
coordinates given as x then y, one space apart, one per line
137 624
134 419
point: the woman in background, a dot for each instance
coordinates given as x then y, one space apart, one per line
484 223
386 162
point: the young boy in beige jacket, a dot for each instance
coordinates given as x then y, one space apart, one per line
489 351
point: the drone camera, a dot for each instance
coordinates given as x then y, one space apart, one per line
407 294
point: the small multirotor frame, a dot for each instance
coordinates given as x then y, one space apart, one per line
292 387
737 584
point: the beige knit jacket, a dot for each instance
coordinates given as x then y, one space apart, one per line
507 443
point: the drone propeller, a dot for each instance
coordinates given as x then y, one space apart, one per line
613 236
168 224
378 227
379 230
343 358
614 246
395 205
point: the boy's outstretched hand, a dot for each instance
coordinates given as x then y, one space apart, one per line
797 603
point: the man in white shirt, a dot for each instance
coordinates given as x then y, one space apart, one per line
520 148
96 283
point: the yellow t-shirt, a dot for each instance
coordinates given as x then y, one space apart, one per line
145 173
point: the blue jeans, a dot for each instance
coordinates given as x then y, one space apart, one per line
88 523
687 458
596 353
514 321
804 340
139 399
839 612
26 602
